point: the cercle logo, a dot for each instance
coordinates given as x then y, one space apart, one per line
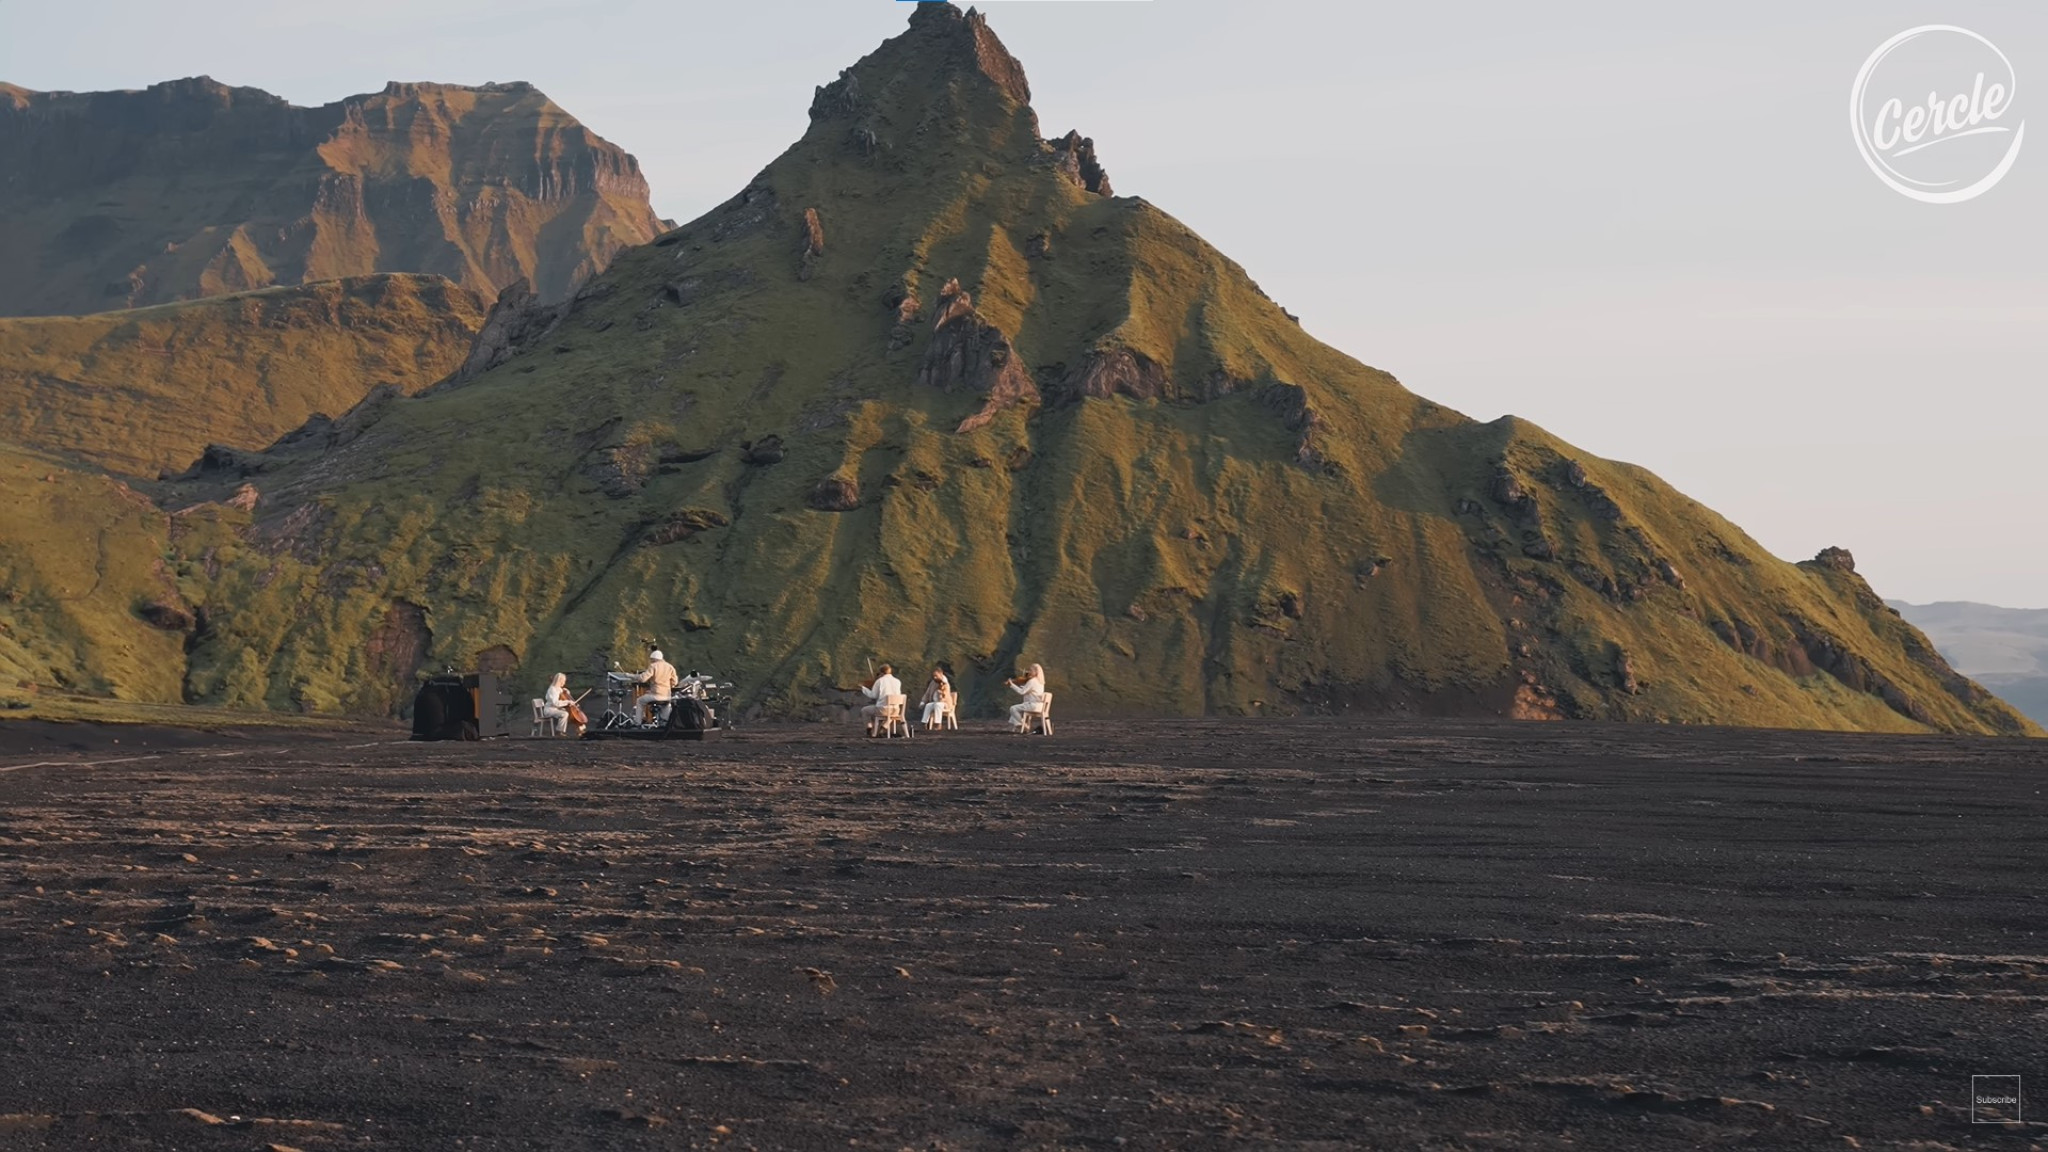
1933 114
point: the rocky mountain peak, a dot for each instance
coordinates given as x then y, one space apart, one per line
193 188
946 81
949 28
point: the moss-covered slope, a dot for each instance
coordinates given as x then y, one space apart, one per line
147 390
83 568
927 391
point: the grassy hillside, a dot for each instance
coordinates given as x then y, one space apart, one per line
193 188
82 562
149 389
926 391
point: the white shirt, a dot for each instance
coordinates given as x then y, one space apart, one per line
663 676
886 686
1032 690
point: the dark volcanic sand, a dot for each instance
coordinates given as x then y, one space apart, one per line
1323 934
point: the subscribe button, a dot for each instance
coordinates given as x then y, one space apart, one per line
1995 1100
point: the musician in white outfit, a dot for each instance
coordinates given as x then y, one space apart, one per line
1032 689
661 679
555 702
935 693
883 687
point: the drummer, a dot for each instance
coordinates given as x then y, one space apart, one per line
661 678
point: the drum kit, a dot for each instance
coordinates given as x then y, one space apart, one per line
630 710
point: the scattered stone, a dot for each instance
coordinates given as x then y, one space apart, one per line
1625 673
763 452
685 524
835 494
1508 492
814 244
1838 559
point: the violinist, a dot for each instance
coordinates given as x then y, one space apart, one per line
1032 688
879 689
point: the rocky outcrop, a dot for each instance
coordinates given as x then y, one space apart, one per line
835 494
397 649
903 301
1074 157
516 323
685 524
967 353
1115 372
229 189
842 97
1290 403
813 244
1835 560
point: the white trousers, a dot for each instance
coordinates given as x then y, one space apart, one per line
933 713
1020 714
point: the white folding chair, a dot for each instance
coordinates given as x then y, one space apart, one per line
952 716
891 716
546 725
1043 716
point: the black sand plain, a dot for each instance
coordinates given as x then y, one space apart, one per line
1308 934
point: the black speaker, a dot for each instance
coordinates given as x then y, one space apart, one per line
444 710
454 707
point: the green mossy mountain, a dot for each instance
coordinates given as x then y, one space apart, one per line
191 188
83 572
148 390
928 391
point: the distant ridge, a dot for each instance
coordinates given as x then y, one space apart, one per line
2006 649
191 188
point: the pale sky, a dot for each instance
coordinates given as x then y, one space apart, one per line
1645 227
